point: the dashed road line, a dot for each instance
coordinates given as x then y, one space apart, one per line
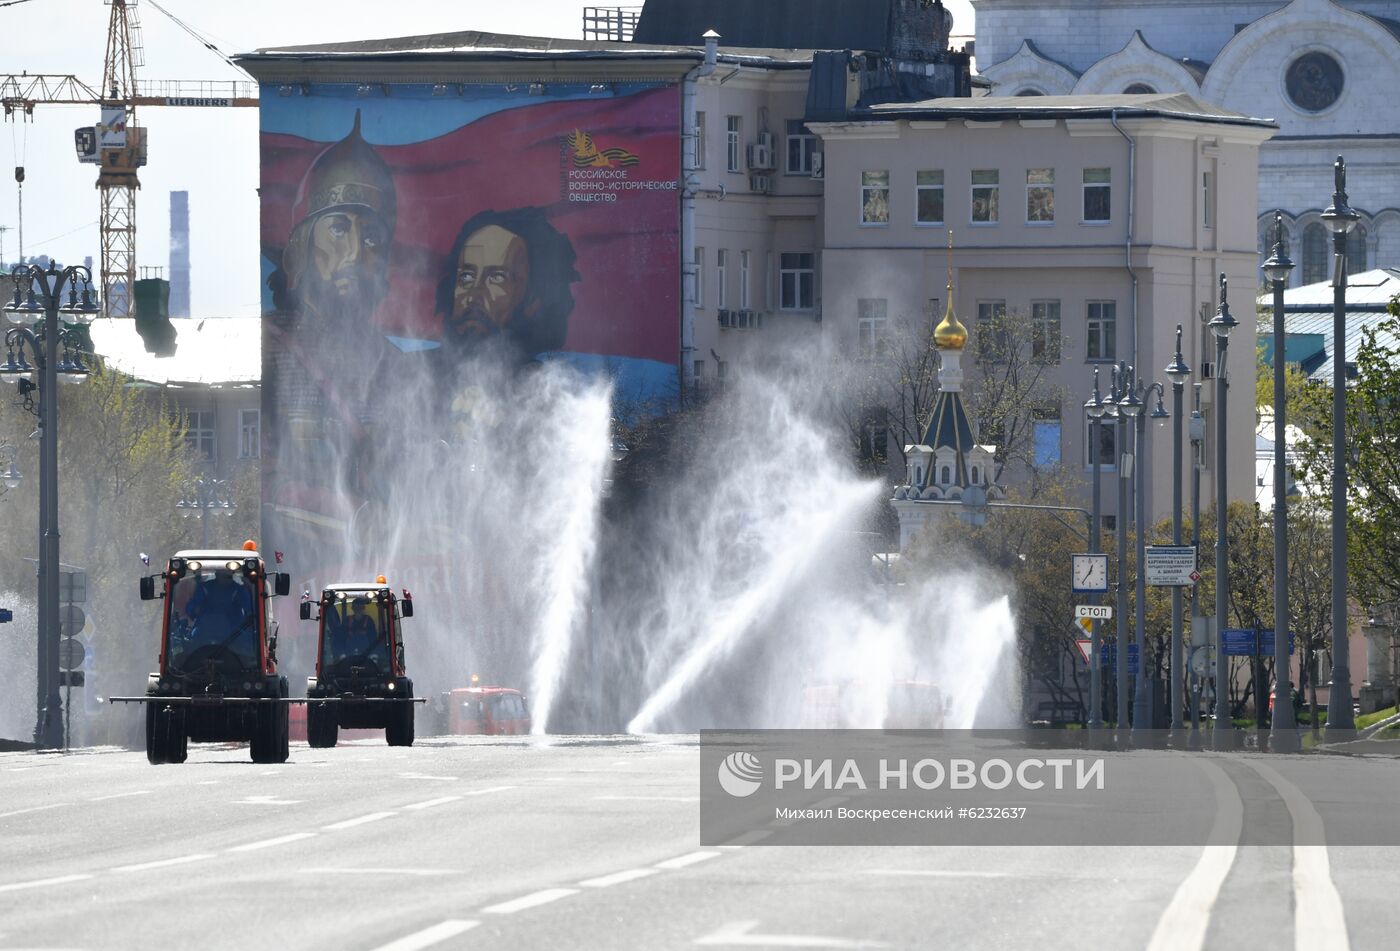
43 882
532 900
429 936
419 872
618 878
489 789
359 821
649 798
121 795
266 801
268 843
748 838
681 861
163 863
442 779
430 803
934 873
20 812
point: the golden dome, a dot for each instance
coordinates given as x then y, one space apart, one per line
950 334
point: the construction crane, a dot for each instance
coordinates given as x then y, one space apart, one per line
117 145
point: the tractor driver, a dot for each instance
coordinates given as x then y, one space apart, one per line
223 615
360 629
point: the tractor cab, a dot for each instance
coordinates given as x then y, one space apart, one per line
360 681
217 678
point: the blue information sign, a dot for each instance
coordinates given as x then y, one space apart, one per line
1241 642
1108 657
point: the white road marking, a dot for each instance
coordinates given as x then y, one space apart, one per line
681 861
268 843
351 823
121 795
533 900
618 878
445 779
208 782
429 936
266 801
1183 925
934 873
1319 921
43 882
748 838
737 934
163 863
420 872
489 789
428 804
650 798
20 812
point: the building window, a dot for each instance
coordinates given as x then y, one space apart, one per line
872 323
733 126
984 195
928 199
699 370
1207 200
1356 250
1045 435
1040 195
1098 194
698 143
199 434
744 280
698 285
875 198
1102 331
722 371
1315 254
801 146
249 433
797 281
722 276
992 340
768 280
1045 331
1108 448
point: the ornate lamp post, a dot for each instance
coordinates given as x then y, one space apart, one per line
40 309
1283 734
202 496
1177 371
1122 390
1132 406
1094 409
1221 326
1340 219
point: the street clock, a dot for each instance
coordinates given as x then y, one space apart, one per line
1089 573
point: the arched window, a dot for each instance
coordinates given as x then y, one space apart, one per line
1356 250
1316 256
1139 89
946 478
918 475
974 475
1030 92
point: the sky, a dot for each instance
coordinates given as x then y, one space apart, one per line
211 153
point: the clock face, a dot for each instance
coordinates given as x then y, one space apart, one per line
1090 572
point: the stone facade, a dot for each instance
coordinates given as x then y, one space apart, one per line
1325 70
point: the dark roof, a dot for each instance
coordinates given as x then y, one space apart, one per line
1163 105
949 426
799 24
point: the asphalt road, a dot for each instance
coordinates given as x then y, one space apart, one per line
592 842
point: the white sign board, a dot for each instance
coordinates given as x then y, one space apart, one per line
1171 565
1098 612
111 132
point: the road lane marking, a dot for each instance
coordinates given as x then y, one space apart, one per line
443 779
533 900
20 812
489 789
162 863
121 795
429 936
748 838
681 861
428 804
1183 924
650 798
351 823
737 934
1319 921
43 882
618 878
266 801
421 872
268 843
934 873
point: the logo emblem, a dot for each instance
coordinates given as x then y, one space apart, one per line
740 774
587 155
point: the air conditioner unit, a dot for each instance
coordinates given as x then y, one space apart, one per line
760 184
765 141
726 318
818 165
760 158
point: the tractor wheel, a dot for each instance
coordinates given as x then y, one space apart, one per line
321 729
177 738
284 719
399 732
266 744
155 740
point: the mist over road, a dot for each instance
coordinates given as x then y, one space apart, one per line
590 842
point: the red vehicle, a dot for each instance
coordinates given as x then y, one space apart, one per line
217 678
360 680
493 711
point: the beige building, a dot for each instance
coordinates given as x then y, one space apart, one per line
1105 219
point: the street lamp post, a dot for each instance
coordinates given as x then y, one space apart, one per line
1094 409
1340 219
1132 406
1177 371
1283 733
41 308
1221 325
1198 438
1122 388
202 496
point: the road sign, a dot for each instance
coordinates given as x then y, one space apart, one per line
71 619
1086 623
72 585
1108 657
6 615
1098 612
1242 642
1085 646
71 678
1200 661
1266 642
71 653
1089 573
1171 565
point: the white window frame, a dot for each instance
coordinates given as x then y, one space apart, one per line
868 191
1094 326
807 146
1106 186
872 326
1040 186
698 142
1208 199
919 190
698 289
1089 445
249 436
1054 337
744 260
994 188
722 279
796 274
201 426
1037 421
733 131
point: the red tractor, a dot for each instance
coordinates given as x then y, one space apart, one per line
360 680
217 679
